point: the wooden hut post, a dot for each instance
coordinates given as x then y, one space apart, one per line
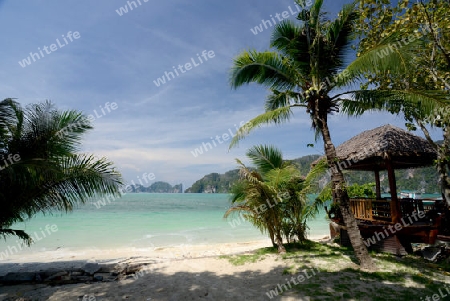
378 185
395 205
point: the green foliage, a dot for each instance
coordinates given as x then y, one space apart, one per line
365 190
306 55
273 196
429 23
304 163
424 179
49 175
214 182
157 187
360 183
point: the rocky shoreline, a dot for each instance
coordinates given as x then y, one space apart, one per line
88 273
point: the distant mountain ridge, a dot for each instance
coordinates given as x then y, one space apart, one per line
221 183
215 182
425 180
157 187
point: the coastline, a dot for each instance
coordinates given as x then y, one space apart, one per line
201 273
39 260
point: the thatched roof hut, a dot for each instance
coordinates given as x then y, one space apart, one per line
389 148
385 148
370 150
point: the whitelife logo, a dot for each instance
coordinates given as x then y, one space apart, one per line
124 9
11 159
378 236
266 24
105 109
49 230
281 288
206 146
169 75
35 56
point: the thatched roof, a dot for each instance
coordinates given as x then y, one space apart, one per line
370 149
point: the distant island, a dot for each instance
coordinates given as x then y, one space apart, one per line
215 183
157 187
423 180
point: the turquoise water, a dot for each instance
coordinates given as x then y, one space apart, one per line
145 220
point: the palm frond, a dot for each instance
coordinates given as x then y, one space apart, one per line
81 177
340 35
279 99
392 54
284 35
238 208
265 157
265 68
290 40
316 13
19 233
237 192
47 175
280 177
252 176
59 187
69 127
275 116
395 100
11 120
316 172
61 131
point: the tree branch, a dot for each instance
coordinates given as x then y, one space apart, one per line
434 33
426 133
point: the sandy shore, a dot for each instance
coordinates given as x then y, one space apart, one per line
187 272
200 273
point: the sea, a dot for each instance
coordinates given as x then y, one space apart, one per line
144 220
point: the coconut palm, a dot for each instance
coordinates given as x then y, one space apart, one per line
273 196
305 67
48 175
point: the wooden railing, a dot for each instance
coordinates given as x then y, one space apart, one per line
362 208
380 210
371 209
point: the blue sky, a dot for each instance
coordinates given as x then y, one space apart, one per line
118 58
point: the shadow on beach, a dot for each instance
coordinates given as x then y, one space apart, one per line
215 278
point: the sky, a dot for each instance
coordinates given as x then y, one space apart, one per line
104 60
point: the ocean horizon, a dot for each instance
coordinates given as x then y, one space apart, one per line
142 221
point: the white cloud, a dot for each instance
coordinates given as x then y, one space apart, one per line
117 58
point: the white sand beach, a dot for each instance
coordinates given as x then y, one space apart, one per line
183 273
207 273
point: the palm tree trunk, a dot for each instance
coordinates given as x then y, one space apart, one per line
279 240
442 168
272 236
277 231
340 196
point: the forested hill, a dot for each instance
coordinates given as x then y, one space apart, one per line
420 180
221 183
157 187
215 183
304 163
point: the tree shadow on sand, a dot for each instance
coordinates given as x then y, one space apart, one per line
249 282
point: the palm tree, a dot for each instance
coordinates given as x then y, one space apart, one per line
306 66
273 197
48 175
